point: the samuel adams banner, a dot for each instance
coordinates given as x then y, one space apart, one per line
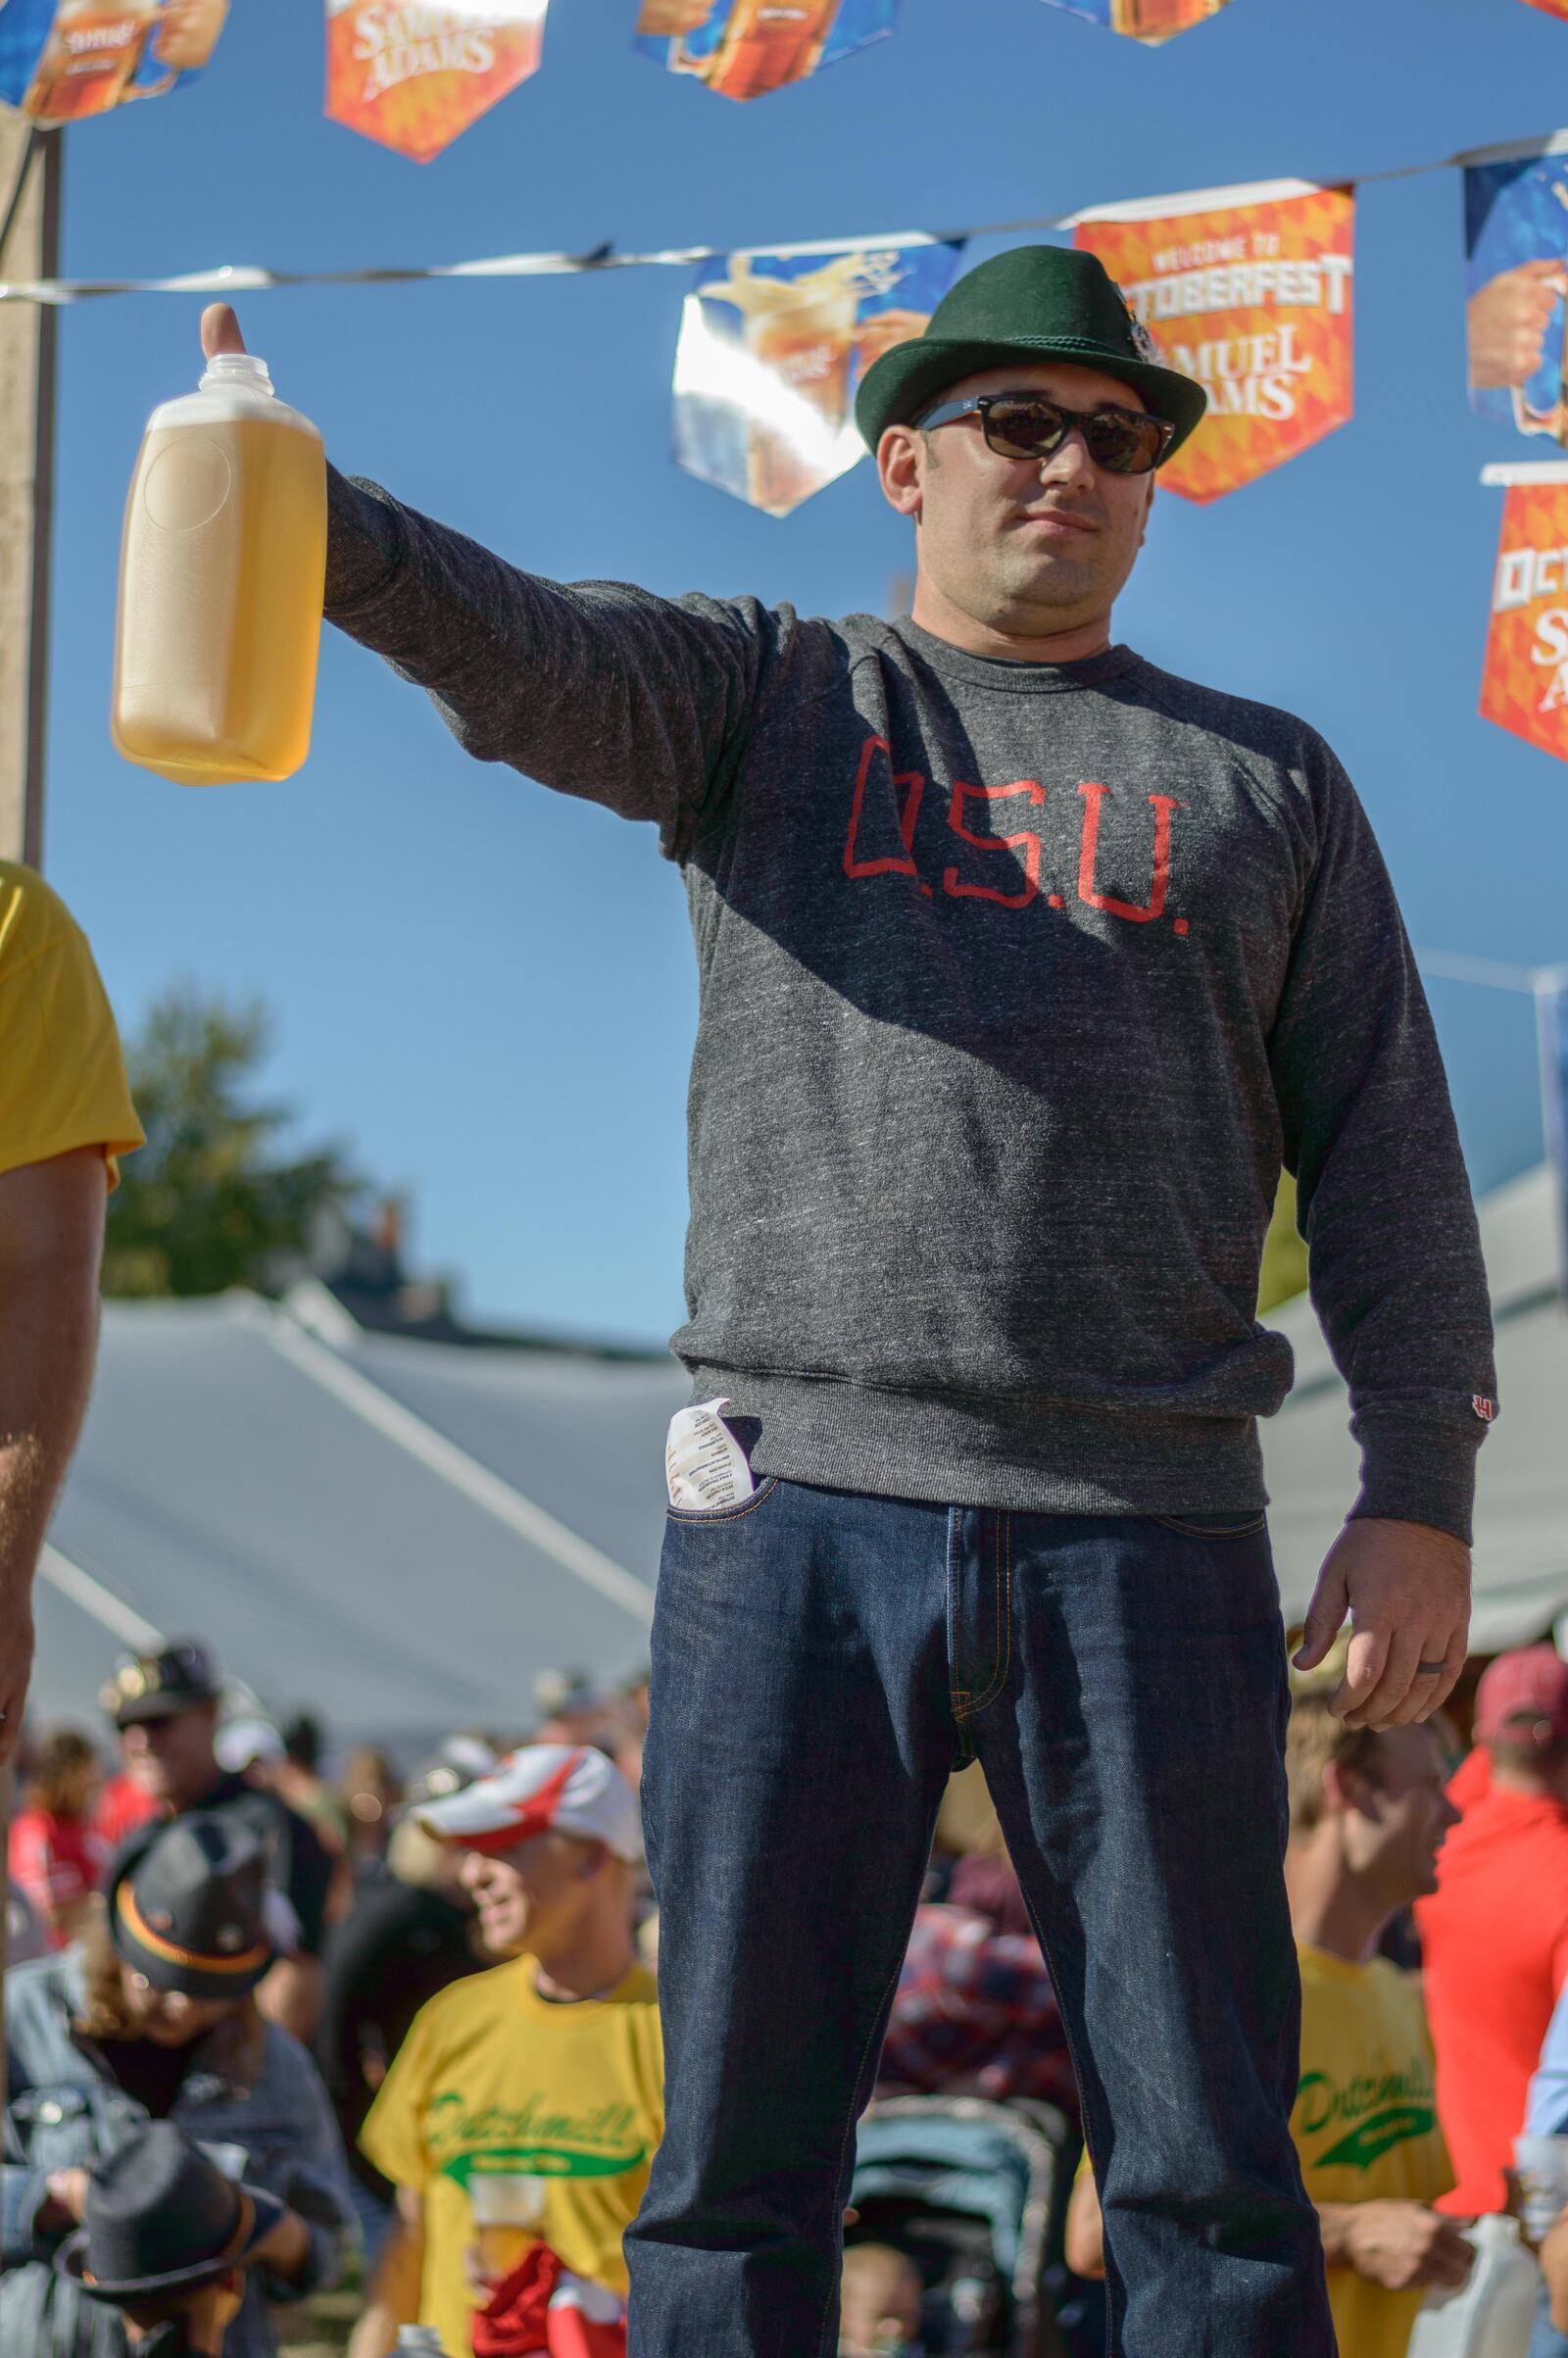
415 74
1148 20
1524 686
64 60
772 349
745 48
1248 290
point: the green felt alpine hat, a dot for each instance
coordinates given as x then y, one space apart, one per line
1034 302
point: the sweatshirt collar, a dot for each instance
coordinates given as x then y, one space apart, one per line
1012 679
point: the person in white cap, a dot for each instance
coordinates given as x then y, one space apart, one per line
545 2072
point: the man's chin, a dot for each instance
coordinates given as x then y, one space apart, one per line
503 1941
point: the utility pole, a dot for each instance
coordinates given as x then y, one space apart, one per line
29 248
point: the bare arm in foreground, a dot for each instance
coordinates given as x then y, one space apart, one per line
51 1244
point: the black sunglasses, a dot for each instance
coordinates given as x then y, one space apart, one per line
1026 425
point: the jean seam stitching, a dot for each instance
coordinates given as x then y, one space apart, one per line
1038 1923
998 1675
851 2117
958 1697
727 1515
1201 1531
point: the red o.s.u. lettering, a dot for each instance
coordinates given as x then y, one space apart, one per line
1164 804
910 784
1026 840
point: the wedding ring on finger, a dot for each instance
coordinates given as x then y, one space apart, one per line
1430 1670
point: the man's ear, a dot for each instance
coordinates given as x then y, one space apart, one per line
900 468
1348 1792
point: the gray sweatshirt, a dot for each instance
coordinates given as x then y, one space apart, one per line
1020 982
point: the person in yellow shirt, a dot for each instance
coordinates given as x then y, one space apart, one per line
1369 1810
66 1116
539 2082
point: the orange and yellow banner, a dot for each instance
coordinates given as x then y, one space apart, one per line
1525 684
1549 8
1250 291
413 75
62 60
1148 20
745 48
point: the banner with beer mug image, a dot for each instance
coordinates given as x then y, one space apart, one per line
1516 283
772 349
415 79
1148 20
62 60
1248 289
1524 687
744 48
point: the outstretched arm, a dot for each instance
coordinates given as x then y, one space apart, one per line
597 689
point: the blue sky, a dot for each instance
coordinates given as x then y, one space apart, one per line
486 991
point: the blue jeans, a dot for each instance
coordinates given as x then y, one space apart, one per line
821 1661
1547 2341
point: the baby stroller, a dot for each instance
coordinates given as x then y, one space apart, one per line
973 2192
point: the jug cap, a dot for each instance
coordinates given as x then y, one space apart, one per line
233 369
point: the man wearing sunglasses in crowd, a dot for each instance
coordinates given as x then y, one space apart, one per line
1025 965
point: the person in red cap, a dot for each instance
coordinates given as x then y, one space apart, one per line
520 2117
1494 1933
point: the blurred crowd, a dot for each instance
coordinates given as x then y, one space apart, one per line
273 2016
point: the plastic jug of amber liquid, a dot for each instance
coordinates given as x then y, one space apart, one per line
222 572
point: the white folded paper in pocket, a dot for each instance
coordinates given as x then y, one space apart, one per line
704 1465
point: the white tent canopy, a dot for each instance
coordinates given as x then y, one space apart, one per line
399 1535
1521 1550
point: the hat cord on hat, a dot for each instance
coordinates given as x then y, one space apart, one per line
171 1953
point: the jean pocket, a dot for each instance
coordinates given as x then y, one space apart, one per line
701 1516
1244 1526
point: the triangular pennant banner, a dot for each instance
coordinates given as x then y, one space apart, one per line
1248 290
772 349
1148 20
1524 687
1516 262
414 76
745 48
62 60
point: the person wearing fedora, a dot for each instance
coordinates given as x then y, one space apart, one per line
152 2018
1026 966
165 1708
166 2240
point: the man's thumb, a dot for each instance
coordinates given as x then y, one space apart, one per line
221 330
1324 1618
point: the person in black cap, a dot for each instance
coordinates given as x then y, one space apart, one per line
1025 968
165 2239
153 2017
165 1707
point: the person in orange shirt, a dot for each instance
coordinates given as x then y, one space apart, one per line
1494 1933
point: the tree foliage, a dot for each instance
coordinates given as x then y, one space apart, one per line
211 1200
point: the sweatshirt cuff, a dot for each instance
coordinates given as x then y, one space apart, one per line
1418 1470
363 543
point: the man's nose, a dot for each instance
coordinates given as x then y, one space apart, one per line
1069 462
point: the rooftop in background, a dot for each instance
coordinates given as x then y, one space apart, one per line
398 1533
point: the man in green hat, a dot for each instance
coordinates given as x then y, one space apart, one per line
1024 967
